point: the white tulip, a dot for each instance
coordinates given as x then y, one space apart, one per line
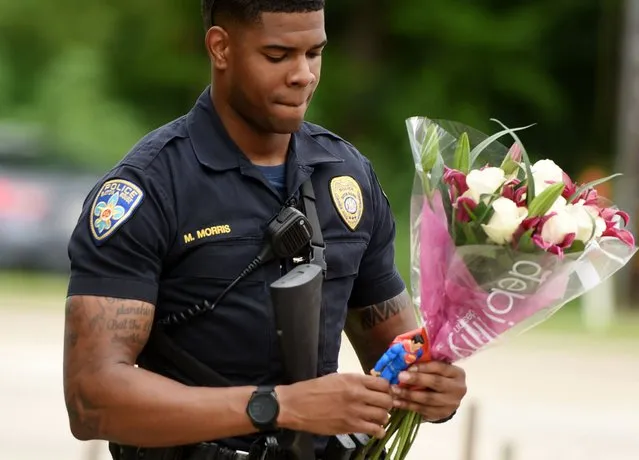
589 224
558 227
484 181
505 220
546 173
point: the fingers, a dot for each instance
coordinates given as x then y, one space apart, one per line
439 368
429 413
374 415
439 377
420 397
371 429
375 383
434 382
378 399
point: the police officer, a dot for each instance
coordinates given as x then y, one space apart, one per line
183 213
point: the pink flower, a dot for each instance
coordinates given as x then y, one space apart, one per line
613 218
590 197
556 232
526 225
456 180
518 196
546 240
557 249
570 189
515 153
463 207
623 235
610 215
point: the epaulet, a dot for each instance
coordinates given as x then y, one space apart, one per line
317 130
147 149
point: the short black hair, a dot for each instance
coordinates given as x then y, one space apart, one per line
418 338
246 11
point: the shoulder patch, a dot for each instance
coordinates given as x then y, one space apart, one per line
113 206
347 198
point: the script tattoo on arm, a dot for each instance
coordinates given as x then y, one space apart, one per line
100 333
131 325
371 329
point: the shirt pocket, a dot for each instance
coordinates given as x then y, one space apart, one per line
223 258
343 258
236 338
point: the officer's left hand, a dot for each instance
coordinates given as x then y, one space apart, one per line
439 390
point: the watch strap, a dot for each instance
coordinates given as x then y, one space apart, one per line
265 390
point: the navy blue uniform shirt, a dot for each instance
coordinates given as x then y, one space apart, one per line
184 212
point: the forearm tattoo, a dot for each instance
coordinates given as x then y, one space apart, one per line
372 328
376 314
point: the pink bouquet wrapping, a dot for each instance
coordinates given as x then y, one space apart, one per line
498 244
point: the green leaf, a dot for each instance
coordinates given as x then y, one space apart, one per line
577 246
542 203
474 154
530 194
462 154
470 212
471 237
430 148
509 165
525 243
437 171
592 184
459 241
487 211
448 205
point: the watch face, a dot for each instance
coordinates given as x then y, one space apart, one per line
263 408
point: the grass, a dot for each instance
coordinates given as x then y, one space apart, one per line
569 321
31 290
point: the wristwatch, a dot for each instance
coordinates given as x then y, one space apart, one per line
263 408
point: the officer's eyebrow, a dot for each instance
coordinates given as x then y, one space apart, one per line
277 47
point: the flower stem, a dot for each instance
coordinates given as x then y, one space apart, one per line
373 450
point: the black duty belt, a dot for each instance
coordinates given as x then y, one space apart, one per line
201 451
211 451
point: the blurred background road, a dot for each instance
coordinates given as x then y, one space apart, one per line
81 82
545 396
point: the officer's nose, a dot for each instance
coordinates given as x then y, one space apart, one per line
302 75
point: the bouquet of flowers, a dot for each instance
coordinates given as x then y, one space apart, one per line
498 245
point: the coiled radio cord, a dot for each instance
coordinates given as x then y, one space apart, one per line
175 319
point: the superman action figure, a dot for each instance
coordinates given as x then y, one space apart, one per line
398 358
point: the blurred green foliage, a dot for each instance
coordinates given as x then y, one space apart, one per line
98 75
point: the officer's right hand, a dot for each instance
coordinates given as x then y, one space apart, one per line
336 404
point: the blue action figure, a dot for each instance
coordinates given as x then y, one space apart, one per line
398 357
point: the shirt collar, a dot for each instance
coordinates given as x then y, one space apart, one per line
215 149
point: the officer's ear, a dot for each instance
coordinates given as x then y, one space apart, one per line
217 46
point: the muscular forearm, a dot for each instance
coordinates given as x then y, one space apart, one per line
132 406
371 329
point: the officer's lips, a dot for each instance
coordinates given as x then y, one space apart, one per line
294 105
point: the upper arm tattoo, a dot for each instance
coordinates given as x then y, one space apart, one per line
99 333
101 320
